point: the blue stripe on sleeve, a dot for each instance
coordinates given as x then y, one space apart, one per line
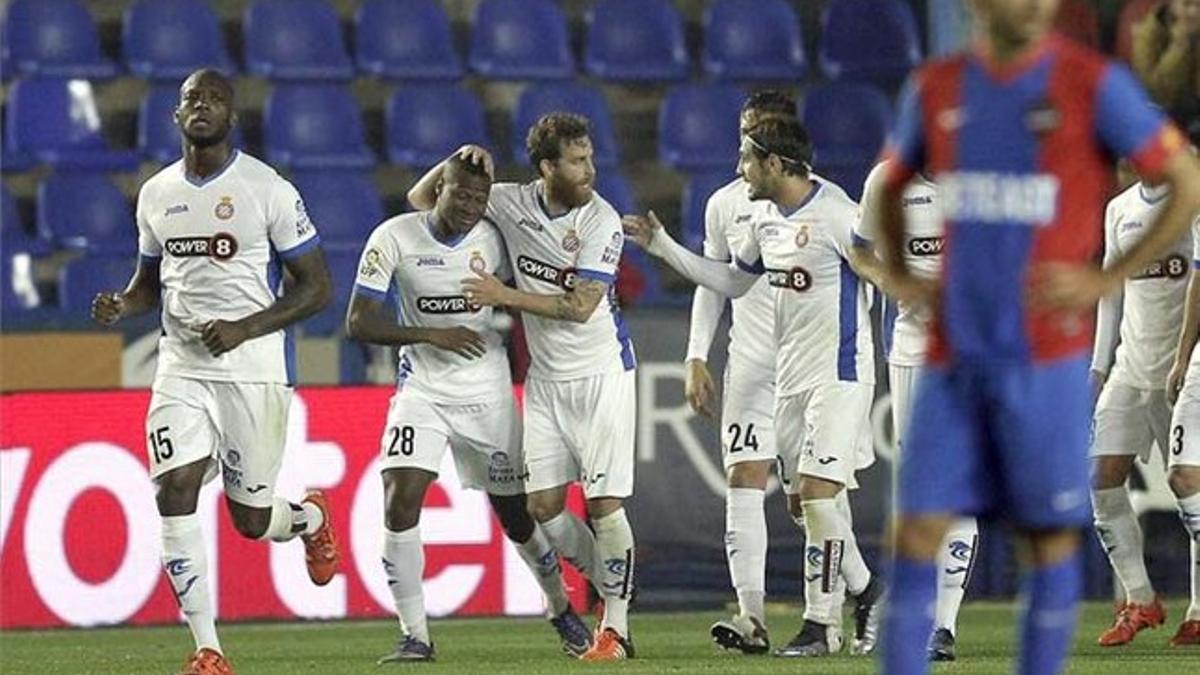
595 275
860 241
753 268
370 293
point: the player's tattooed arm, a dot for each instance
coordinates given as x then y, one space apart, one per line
423 195
576 305
307 289
140 296
368 320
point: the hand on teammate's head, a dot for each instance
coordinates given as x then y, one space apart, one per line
477 154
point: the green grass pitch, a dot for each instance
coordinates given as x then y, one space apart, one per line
666 643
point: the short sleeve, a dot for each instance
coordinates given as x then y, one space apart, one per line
748 257
502 201
292 232
503 268
866 225
1111 250
716 219
1196 243
905 150
1131 127
600 247
377 265
148 244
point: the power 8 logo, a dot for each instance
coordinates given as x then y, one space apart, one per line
221 246
797 279
224 246
1171 267
922 246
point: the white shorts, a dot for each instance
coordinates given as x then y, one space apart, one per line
1128 421
242 426
581 430
485 439
825 432
902 381
1183 441
747 417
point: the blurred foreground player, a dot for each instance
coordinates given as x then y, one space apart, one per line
216 230
564 242
800 239
1018 135
454 387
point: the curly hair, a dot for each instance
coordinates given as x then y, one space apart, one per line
547 136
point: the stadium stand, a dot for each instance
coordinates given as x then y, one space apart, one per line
746 41
847 123
425 123
84 210
635 41
345 204
698 126
537 100
873 40
168 39
57 122
520 40
81 279
695 196
53 38
295 40
405 40
312 126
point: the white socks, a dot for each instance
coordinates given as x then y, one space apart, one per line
185 561
404 565
1189 513
955 561
1121 536
575 542
746 548
831 550
614 557
289 520
542 560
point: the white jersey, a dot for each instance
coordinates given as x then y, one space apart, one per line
547 255
1150 307
905 326
428 275
221 240
822 324
727 226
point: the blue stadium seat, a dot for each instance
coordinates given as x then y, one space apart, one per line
635 41
343 268
11 227
158 138
696 192
405 40
168 39
344 205
520 40
849 176
85 210
56 122
585 100
53 38
426 123
847 122
873 40
752 41
613 186
314 126
295 40
80 280
698 127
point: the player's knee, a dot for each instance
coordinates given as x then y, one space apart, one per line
1184 481
812 487
403 493
752 475
514 517
603 506
795 507
1050 547
545 505
1111 471
178 490
920 538
249 522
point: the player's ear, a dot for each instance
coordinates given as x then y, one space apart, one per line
437 188
545 167
233 119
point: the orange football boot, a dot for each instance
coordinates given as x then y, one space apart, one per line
609 646
321 547
1132 619
206 662
1188 634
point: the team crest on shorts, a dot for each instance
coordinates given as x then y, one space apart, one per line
802 235
477 263
224 208
570 242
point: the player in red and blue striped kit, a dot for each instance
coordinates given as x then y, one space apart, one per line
1020 135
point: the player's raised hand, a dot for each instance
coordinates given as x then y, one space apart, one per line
223 336
462 341
1058 285
107 308
641 228
485 290
477 154
698 387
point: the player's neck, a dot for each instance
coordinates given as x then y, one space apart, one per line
443 231
795 194
203 162
554 205
1006 53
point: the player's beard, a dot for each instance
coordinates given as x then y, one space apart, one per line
218 136
572 193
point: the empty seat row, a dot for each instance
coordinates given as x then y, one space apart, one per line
626 40
310 126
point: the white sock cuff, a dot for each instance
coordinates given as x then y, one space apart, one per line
827 503
1111 502
403 536
179 526
745 497
280 526
613 521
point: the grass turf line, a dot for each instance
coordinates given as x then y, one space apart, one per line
666 643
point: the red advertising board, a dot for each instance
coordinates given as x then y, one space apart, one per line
79 533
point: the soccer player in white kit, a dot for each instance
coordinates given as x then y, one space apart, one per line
216 230
1132 412
824 361
454 387
904 331
564 242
